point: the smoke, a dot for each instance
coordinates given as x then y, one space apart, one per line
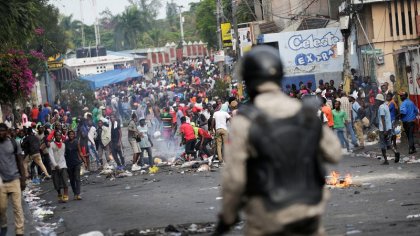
167 150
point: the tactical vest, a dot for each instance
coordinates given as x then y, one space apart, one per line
286 169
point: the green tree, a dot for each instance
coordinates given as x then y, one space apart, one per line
206 22
18 20
72 93
171 14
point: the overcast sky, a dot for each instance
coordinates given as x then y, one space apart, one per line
68 7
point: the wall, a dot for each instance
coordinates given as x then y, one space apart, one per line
386 33
309 52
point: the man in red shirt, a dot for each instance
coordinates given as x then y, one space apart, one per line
34 113
188 138
205 138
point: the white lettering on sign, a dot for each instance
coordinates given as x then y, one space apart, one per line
297 42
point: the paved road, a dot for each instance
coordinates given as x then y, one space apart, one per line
387 195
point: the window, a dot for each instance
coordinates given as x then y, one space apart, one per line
404 29
410 20
396 18
390 19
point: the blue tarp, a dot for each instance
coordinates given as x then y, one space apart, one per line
111 77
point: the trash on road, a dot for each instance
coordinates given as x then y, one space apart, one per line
106 172
93 233
124 174
204 168
193 228
153 170
171 229
188 164
157 160
413 216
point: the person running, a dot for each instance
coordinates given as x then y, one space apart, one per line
59 167
340 119
74 164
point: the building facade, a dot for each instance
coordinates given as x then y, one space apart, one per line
383 28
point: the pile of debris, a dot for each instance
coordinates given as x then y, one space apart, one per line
171 230
41 210
376 155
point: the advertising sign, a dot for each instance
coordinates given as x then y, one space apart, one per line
55 62
226 35
245 39
308 51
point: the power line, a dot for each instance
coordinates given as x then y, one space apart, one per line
288 18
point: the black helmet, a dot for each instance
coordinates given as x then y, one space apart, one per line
260 65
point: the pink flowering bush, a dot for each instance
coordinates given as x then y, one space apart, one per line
17 73
39 31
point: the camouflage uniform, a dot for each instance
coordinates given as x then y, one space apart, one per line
238 149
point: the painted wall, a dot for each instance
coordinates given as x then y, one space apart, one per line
308 51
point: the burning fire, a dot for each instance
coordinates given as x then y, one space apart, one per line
335 180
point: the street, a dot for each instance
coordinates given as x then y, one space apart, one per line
384 200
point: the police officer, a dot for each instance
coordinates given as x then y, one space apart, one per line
275 176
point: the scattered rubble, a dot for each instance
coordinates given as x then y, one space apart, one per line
377 155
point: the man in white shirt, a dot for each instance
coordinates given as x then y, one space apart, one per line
220 118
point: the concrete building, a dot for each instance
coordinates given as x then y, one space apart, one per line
97 65
384 28
284 12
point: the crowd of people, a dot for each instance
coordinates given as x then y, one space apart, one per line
365 108
177 106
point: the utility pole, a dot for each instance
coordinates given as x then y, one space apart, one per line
235 29
219 36
96 26
181 22
83 23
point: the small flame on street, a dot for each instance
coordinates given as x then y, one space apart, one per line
336 181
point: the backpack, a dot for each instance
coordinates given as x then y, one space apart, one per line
286 169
